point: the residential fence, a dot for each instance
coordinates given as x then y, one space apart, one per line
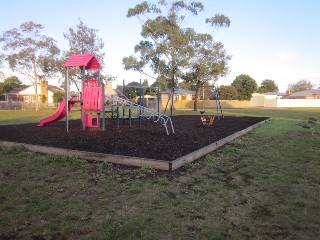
188 104
254 103
282 103
11 105
21 105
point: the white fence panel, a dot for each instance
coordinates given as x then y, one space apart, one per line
270 103
281 103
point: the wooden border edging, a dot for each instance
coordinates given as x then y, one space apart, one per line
135 161
101 157
179 162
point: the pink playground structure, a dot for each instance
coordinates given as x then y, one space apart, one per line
91 100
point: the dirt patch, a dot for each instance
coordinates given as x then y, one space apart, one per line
299 134
148 140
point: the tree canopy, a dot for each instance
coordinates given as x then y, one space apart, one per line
82 40
268 85
209 63
132 89
8 84
30 53
245 86
58 96
173 51
1 60
228 93
300 86
165 49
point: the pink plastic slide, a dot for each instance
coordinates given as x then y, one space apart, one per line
61 113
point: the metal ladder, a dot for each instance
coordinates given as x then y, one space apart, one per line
143 111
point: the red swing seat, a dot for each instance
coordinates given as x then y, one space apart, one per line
206 122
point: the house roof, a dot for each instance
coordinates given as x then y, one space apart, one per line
17 90
89 61
274 93
55 89
147 96
178 91
305 93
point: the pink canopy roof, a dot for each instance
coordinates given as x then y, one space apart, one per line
79 60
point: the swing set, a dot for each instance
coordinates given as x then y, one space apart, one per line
209 120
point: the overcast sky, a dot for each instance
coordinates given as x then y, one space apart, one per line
267 39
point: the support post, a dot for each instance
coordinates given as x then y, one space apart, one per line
117 114
172 99
123 110
141 103
202 96
82 90
103 103
217 97
158 98
66 98
130 110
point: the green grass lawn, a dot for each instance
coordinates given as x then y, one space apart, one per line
264 185
30 115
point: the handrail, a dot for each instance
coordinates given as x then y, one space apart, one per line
144 111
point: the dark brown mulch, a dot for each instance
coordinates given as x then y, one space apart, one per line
148 140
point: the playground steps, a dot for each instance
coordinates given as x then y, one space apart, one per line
143 112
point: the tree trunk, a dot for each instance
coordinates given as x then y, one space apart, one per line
35 77
195 104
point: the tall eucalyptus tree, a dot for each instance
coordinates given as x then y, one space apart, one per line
172 51
30 53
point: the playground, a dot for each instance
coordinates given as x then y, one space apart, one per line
147 140
154 136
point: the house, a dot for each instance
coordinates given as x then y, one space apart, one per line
307 94
147 101
108 90
179 94
28 94
272 95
